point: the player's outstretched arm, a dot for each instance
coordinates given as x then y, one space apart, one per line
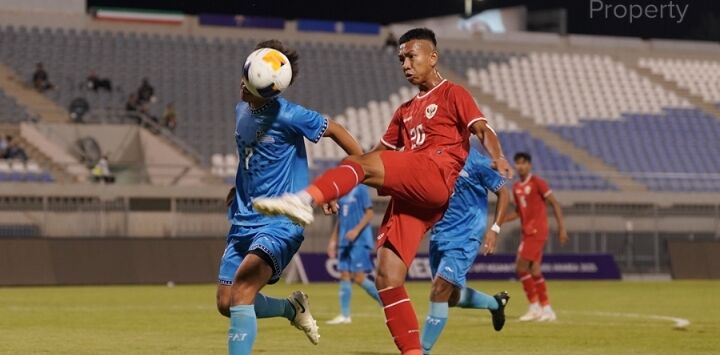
557 210
343 138
490 141
500 208
332 243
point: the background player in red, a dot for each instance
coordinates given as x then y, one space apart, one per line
417 162
531 194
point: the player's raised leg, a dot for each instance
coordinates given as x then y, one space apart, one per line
331 185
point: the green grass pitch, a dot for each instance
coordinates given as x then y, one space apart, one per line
593 318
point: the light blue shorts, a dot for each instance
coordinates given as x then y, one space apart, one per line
276 243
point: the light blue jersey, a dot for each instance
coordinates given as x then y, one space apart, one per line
273 161
466 216
272 154
456 238
351 211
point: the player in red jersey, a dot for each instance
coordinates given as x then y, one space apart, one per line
531 195
416 162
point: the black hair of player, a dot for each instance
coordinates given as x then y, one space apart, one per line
523 156
291 54
419 33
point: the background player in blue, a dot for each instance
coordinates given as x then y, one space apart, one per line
270 136
454 244
352 243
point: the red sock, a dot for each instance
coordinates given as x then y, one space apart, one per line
541 289
529 286
336 182
401 319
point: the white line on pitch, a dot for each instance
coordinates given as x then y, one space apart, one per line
680 323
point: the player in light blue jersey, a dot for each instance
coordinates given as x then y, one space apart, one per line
352 243
454 244
270 136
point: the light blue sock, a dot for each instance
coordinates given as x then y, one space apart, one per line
243 327
434 324
268 307
470 298
345 294
369 287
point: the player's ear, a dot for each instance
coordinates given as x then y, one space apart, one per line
434 56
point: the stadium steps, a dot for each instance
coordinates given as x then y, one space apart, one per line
672 86
37 104
594 164
56 170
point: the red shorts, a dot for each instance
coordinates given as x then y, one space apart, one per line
531 249
419 189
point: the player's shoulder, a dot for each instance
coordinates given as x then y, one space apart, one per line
537 179
288 111
241 107
455 90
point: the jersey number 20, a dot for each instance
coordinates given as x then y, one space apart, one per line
417 136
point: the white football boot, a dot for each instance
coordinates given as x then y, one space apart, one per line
341 319
533 313
303 319
289 205
547 314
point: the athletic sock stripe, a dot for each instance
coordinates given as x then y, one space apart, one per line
337 190
357 178
525 277
540 281
397 303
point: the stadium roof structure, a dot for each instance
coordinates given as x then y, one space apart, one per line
700 20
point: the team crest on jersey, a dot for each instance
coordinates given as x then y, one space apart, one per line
527 189
430 111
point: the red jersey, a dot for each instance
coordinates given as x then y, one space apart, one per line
436 123
530 198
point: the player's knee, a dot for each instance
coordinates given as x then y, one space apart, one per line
223 303
243 293
386 279
345 276
358 278
223 306
454 298
521 268
440 291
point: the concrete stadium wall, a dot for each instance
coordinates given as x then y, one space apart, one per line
35 6
100 261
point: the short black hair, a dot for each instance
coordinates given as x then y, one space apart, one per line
290 53
419 33
523 156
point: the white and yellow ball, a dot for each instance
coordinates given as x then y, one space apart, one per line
267 73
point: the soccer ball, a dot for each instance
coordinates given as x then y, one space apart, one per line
267 73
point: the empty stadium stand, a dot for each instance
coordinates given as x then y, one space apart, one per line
700 77
199 75
614 113
594 101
